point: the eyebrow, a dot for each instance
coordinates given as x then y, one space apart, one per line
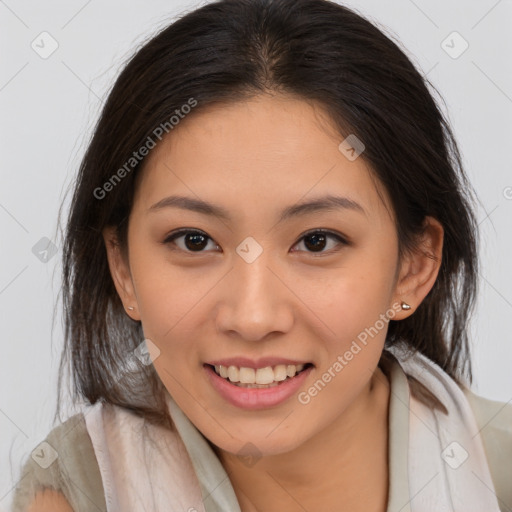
323 203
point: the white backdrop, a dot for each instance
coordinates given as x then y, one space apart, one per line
51 88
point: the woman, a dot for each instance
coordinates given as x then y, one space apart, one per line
269 264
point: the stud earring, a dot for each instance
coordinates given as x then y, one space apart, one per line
405 306
131 308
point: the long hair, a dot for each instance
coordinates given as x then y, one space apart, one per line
230 50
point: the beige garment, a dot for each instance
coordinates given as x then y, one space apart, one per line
76 473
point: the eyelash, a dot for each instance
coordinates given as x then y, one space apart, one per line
184 231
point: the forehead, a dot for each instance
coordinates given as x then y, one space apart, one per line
254 154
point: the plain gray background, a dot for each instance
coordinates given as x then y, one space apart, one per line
49 105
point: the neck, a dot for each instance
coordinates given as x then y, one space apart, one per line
345 465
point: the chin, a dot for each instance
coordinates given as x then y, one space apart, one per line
258 443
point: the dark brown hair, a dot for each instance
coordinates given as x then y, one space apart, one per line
234 49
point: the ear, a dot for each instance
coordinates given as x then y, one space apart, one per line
419 268
120 272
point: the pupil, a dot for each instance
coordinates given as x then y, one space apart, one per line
318 241
198 241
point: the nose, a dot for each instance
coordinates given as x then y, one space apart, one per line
256 301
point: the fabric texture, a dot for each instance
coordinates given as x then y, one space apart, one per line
447 465
75 472
111 460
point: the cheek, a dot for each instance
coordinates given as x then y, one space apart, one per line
176 302
166 296
351 298
354 304
165 291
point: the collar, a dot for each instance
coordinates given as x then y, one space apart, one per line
218 493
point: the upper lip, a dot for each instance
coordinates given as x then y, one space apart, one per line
258 363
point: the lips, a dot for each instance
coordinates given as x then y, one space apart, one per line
256 396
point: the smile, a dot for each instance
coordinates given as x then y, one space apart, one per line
258 378
257 388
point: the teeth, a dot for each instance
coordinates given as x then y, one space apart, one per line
280 372
267 375
246 375
233 374
264 375
290 370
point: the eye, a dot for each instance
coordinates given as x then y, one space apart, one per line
193 240
196 241
315 241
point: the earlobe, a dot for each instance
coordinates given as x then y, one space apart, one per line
120 272
420 268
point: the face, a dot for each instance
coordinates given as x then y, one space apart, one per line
255 288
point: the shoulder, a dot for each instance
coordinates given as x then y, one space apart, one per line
64 462
494 422
491 415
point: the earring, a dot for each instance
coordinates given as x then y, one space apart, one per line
405 306
131 308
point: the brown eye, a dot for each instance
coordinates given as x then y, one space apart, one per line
317 241
193 241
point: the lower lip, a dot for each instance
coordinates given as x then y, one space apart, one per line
256 398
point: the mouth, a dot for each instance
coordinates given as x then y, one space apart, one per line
266 377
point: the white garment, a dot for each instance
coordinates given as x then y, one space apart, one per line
143 468
448 469
148 468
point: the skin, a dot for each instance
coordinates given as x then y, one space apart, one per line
254 158
49 500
